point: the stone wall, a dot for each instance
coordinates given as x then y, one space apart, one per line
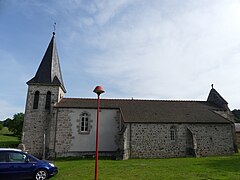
70 141
126 149
154 140
63 132
134 140
37 122
238 139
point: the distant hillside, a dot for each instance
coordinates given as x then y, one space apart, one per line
236 113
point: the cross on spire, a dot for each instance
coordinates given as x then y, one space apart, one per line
54 28
49 71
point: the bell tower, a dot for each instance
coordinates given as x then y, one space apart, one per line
45 89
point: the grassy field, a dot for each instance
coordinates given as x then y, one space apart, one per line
227 167
7 139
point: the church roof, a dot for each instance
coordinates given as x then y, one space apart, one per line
49 71
152 111
217 99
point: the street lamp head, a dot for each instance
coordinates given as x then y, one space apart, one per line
98 90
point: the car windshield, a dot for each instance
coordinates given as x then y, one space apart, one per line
31 159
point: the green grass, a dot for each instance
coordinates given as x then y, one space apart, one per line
226 167
7 139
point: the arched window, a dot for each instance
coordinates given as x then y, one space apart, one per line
36 99
48 100
172 133
84 123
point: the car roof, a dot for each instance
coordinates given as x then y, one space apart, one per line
10 149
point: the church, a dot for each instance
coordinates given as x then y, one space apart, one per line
55 126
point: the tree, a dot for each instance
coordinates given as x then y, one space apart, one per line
16 124
6 122
236 113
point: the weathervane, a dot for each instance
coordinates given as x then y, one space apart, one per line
54 28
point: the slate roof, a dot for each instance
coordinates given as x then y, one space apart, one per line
49 71
217 99
152 111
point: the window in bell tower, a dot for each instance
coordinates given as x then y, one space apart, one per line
36 99
48 100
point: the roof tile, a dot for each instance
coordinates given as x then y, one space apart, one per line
152 111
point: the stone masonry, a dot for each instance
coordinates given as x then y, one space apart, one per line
153 140
68 140
38 122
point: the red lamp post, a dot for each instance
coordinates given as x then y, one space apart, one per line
98 90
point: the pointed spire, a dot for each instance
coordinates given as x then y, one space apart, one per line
216 98
49 71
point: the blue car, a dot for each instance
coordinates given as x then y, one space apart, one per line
15 164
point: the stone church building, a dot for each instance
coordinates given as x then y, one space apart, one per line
55 126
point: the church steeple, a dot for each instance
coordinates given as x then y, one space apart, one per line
49 71
45 89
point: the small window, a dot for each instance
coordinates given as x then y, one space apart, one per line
172 134
31 159
48 100
36 99
84 123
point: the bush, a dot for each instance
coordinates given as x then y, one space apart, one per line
16 124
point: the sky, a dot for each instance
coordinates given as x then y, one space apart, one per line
141 49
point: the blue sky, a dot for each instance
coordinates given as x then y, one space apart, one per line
166 49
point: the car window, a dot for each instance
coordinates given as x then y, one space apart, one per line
31 159
3 156
17 157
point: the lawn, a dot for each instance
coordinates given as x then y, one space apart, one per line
7 139
226 167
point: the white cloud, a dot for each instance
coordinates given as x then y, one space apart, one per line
8 110
146 49
171 54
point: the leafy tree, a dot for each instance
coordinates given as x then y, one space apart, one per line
6 122
236 113
16 124
1 127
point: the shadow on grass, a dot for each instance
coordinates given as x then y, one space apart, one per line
9 144
12 135
85 158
